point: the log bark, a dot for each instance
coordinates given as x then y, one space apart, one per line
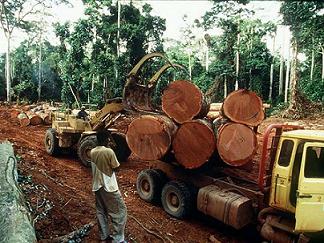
236 144
149 136
182 101
46 118
243 106
16 222
34 118
194 143
23 119
14 113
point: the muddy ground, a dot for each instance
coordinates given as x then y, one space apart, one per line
59 192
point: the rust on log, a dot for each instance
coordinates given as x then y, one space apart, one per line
243 106
182 101
149 136
194 143
236 144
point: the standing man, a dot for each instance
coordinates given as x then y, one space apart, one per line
109 203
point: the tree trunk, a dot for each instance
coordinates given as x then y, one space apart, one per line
149 137
312 65
236 144
281 77
271 67
237 62
293 79
23 120
225 86
8 79
194 143
182 101
322 64
243 106
287 76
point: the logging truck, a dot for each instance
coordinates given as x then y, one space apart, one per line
285 197
69 131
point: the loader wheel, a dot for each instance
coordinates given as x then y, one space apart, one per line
177 199
51 142
149 185
120 146
84 149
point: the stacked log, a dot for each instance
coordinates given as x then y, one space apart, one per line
23 119
182 101
236 140
243 106
236 143
33 115
194 143
149 137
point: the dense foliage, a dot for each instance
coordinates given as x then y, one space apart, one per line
95 53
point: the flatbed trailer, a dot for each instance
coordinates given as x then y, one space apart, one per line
234 196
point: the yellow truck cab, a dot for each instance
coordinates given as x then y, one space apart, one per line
297 184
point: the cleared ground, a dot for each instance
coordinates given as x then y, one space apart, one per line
64 185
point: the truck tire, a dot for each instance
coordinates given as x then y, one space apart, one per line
120 146
84 148
51 142
149 185
177 199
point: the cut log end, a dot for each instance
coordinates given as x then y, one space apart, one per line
236 144
23 120
243 106
149 137
194 143
182 101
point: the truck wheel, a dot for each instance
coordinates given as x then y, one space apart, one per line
177 199
51 142
84 149
120 146
149 184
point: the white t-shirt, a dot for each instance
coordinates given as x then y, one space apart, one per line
109 183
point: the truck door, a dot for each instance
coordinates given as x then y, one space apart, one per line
280 182
310 194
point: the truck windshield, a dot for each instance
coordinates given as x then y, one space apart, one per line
314 164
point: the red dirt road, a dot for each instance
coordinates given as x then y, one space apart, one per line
66 184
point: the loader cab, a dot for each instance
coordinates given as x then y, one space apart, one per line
297 184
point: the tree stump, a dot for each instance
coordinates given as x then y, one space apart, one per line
243 106
182 101
149 136
236 143
194 143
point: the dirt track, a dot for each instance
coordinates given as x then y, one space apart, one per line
65 183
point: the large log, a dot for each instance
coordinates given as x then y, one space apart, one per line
236 143
16 223
149 136
243 106
46 117
182 101
23 119
34 118
194 143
